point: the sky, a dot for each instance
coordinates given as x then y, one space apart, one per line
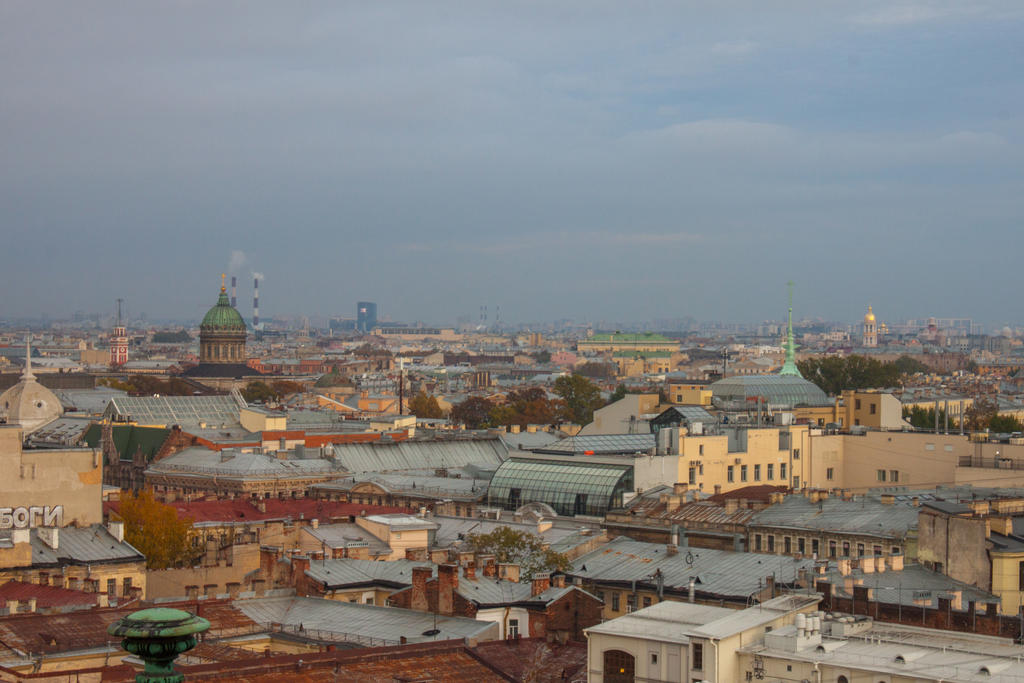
582 159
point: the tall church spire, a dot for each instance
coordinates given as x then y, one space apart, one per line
27 374
789 367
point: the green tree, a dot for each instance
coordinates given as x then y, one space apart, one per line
582 397
165 337
474 412
979 416
257 390
155 529
422 405
595 370
924 418
834 373
1005 424
529 551
618 394
542 357
908 365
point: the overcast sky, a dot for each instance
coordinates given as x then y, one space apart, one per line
582 159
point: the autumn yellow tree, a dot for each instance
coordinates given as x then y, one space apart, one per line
156 530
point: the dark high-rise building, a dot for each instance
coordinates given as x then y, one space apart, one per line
366 316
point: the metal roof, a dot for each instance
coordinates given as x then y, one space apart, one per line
717 572
233 463
779 390
91 544
865 515
347 572
388 624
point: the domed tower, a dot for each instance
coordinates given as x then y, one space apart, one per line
870 340
222 333
28 403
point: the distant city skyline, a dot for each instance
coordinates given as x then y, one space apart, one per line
571 160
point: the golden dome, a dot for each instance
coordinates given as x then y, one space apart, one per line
870 317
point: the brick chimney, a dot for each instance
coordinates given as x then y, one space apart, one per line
269 555
300 563
679 488
420 576
540 583
447 582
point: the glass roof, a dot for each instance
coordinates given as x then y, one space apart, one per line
176 410
570 489
602 443
779 390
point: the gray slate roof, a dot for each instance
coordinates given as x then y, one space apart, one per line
347 535
866 515
718 572
913 581
366 621
87 545
347 572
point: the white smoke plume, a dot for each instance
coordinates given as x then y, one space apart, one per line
236 261
258 276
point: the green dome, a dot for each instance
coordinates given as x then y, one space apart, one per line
223 316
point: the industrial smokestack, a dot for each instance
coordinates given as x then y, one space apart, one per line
256 304
234 292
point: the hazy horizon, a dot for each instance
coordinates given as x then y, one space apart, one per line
585 160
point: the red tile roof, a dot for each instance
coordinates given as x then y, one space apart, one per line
46 596
241 510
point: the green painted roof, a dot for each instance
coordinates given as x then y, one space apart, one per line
642 354
129 439
222 316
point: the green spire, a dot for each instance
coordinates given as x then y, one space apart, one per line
789 367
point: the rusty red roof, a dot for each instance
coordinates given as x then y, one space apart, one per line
242 510
46 596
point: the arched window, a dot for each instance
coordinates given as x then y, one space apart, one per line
842 679
619 667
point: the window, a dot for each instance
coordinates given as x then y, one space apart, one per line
894 475
757 473
782 470
599 595
787 545
842 679
513 628
796 482
771 543
654 658
647 602
368 601
693 475
700 449
771 472
801 545
615 602
697 656
111 588
873 408
796 453
619 667
630 603
856 404
126 586
757 542
832 549
743 472
830 473
1020 576
877 550
814 546
860 550
880 474
846 548
730 475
